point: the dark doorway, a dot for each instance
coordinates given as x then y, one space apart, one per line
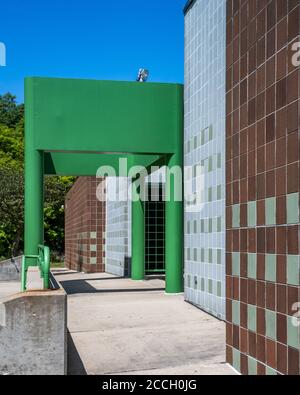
155 229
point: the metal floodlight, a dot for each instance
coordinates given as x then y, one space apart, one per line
142 75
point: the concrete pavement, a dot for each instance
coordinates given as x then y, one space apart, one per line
9 288
120 326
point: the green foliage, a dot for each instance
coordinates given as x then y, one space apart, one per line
56 189
11 133
11 211
12 187
11 147
10 113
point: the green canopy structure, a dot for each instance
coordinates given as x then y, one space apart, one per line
73 127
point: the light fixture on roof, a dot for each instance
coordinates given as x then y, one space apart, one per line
143 75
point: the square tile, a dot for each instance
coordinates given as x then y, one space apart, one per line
271 211
93 261
252 318
292 202
236 264
252 366
210 286
210 256
293 333
252 266
293 270
236 314
236 359
202 284
93 247
236 216
251 214
219 224
219 257
270 274
271 324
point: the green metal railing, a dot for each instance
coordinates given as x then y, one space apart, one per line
42 261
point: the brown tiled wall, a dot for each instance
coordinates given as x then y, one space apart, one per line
85 227
262 139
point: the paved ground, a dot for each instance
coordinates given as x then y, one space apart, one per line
8 288
118 326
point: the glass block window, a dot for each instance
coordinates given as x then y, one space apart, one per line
118 228
155 230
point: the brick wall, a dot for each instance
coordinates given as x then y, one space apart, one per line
85 227
263 92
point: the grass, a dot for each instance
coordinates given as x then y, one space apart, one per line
57 265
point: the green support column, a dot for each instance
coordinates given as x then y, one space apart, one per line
137 237
34 201
174 211
174 234
34 185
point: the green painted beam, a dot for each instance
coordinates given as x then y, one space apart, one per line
104 116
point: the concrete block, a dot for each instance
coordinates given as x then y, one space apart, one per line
33 333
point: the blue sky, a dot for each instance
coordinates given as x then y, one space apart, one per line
96 39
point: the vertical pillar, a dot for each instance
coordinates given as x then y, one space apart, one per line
34 181
138 235
174 231
174 208
34 201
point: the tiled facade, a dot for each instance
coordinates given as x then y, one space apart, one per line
204 146
84 227
262 179
242 232
118 227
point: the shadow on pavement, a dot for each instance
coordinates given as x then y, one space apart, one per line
75 364
73 287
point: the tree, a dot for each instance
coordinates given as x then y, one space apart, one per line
11 146
10 113
11 211
11 176
56 189
12 186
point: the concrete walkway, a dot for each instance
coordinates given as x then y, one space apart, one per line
9 288
118 326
